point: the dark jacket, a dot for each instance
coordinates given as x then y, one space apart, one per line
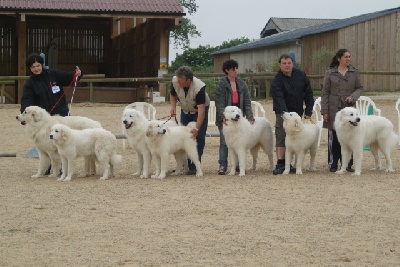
223 98
291 93
46 91
336 89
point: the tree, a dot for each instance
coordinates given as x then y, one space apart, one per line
181 36
199 59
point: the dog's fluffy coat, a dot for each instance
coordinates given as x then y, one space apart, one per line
173 140
37 125
300 138
241 136
72 144
355 131
136 125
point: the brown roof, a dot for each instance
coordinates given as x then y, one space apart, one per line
94 6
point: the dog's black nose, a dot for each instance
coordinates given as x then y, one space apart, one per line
51 136
164 131
358 119
237 116
125 122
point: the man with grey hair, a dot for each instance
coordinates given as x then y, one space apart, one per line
194 101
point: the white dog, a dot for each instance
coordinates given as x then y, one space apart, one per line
241 136
136 126
355 131
300 138
72 144
173 140
37 125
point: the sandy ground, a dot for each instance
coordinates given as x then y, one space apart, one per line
317 219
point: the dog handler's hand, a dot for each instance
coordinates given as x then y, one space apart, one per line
326 117
194 133
172 112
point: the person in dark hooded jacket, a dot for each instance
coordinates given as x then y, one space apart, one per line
44 88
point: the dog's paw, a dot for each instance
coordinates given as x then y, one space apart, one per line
60 179
341 172
299 172
144 176
136 173
232 173
241 174
199 174
389 170
103 178
160 176
37 175
356 173
285 172
67 179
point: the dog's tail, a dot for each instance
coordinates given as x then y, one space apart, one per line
116 159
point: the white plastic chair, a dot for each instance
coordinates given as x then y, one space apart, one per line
212 113
363 105
398 118
258 109
319 120
147 109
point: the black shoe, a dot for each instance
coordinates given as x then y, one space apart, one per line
349 169
292 169
191 172
333 169
279 169
47 172
221 170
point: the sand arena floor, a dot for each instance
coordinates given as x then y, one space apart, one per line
317 219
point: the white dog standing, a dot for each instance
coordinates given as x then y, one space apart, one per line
300 138
173 140
241 136
37 125
82 143
136 126
355 131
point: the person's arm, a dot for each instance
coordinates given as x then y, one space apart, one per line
173 100
220 96
27 98
201 110
358 87
247 103
278 96
308 98
326 90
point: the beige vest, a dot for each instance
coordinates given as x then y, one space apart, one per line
188 103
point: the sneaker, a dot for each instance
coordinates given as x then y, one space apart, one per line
191 172
279 169
349 169
221 170
333 169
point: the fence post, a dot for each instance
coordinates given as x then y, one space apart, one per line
91 92
3 89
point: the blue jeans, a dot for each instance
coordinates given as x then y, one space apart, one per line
201 136
223 149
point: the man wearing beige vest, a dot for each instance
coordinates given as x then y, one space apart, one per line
194 102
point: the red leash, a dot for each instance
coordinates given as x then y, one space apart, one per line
74 80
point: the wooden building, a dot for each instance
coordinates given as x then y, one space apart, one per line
373 40
117 38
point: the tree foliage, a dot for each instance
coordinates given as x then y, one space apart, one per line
181 36
199 59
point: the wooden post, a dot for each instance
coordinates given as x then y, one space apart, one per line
91 92
21 26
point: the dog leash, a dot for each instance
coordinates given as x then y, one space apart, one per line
75 80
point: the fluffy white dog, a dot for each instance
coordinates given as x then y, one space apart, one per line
355 131
241 136
173 140
136 126
37 125
300 138
72 144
